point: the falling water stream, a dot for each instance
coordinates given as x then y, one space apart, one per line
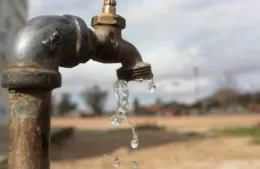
121 113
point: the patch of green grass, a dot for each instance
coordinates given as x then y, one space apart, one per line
61 135
4 165
253 131
256 140
142 127
192 134
149 126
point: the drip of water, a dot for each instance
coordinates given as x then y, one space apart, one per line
139 80
117 162
115 120
134 165
122 109
151 86
135 141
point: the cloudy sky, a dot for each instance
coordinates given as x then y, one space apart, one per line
219 37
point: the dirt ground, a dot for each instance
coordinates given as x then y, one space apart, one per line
165 149
171 122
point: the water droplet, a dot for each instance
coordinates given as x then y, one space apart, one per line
125 96
152 89
134 164
122 116
115 120
125 105
139 80
122 110
117 162
125 90
134 143
117 95
116 86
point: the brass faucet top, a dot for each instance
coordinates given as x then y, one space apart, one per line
108 15
109 7
109 2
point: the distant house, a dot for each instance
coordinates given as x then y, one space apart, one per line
171 109
194 111
170 112
150 110
159 110
254 107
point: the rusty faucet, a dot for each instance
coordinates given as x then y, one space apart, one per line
43 45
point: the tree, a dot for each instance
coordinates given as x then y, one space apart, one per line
136 106
95 98
65 105
226 96
158 101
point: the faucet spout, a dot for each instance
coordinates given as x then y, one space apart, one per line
133 66
112 48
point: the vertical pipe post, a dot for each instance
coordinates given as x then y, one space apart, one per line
29 129
37 52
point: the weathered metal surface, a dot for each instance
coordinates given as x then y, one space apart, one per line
36 79
143 72
109 19
4 141
55 138
29 129
43 45
51 41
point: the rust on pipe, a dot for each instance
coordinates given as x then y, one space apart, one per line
29 129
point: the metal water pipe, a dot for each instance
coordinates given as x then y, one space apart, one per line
43 45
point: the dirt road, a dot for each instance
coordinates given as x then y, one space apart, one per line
158 149
200 154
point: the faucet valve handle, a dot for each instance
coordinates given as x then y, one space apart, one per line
109 16
109 7
109 2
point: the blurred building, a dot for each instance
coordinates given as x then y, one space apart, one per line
13 15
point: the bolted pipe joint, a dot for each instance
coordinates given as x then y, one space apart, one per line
44 44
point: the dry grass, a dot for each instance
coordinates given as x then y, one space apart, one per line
170 122
169 149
